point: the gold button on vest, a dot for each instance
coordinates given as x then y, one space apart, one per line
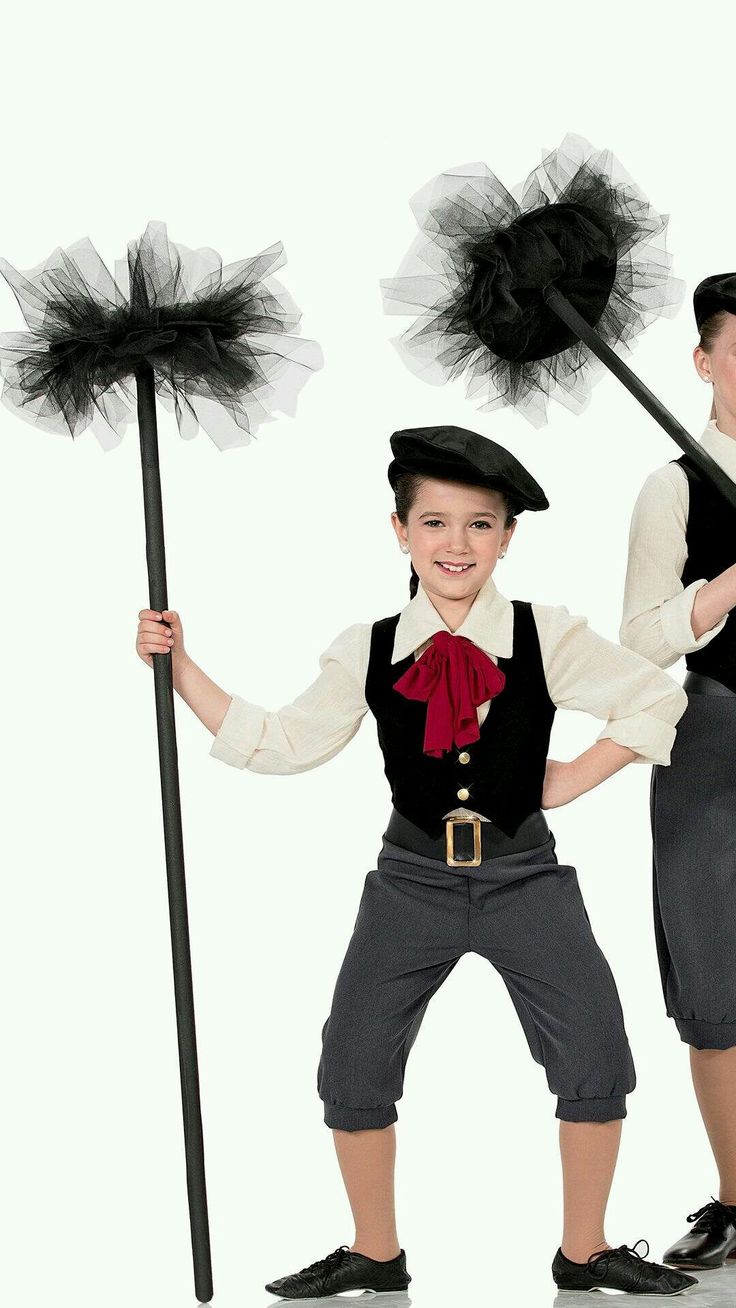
464 757
463 793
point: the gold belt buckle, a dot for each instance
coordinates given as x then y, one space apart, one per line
450 838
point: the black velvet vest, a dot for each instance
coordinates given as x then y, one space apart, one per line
505 774
711 548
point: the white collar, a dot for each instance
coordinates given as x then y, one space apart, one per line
489 623
721 447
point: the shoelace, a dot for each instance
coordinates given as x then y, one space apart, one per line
603 1259
328 1263
711 1215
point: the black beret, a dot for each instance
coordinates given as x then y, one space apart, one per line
714 293
456 454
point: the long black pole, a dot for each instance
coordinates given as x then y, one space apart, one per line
178 917
708 466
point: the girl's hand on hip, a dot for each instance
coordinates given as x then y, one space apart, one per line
160 633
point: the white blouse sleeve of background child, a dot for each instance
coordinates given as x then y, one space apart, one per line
585 671
312 729
657 608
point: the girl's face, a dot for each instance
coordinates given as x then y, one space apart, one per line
453 524
719 367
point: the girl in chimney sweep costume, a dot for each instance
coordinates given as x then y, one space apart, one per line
464 685
679 599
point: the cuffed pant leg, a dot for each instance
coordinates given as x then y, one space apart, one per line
591 1110
410 930
529 919
706 1035
359 1119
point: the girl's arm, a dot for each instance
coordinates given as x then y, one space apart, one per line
204 697
640 703
297 736
565 781
662 619
713 603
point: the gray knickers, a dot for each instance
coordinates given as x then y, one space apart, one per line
523 912
694 873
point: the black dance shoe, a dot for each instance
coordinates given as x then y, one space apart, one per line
343 1270
619 1269
710 1241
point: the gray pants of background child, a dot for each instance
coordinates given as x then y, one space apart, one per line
523 912
693 807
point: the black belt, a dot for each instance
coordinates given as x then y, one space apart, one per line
465 842
696 684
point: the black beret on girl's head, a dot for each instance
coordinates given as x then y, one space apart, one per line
713 294
456 454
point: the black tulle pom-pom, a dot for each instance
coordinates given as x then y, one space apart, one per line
477 275
220 340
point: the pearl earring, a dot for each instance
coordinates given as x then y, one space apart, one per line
404 549
502 555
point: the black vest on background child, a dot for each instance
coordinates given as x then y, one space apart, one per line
711 548
505 772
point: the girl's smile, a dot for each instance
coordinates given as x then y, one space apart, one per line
453 569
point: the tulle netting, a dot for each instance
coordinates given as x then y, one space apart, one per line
474 277
221 340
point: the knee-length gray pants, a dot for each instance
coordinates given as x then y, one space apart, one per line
523 912
693 811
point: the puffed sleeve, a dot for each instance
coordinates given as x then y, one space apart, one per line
657 611
312 729
641 703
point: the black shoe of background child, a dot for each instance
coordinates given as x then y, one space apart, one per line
343 1270
619 1269
711 1239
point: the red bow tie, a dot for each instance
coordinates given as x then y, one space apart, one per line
454 676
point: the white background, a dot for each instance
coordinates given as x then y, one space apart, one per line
311 124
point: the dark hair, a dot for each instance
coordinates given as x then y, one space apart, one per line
709 329
405 492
